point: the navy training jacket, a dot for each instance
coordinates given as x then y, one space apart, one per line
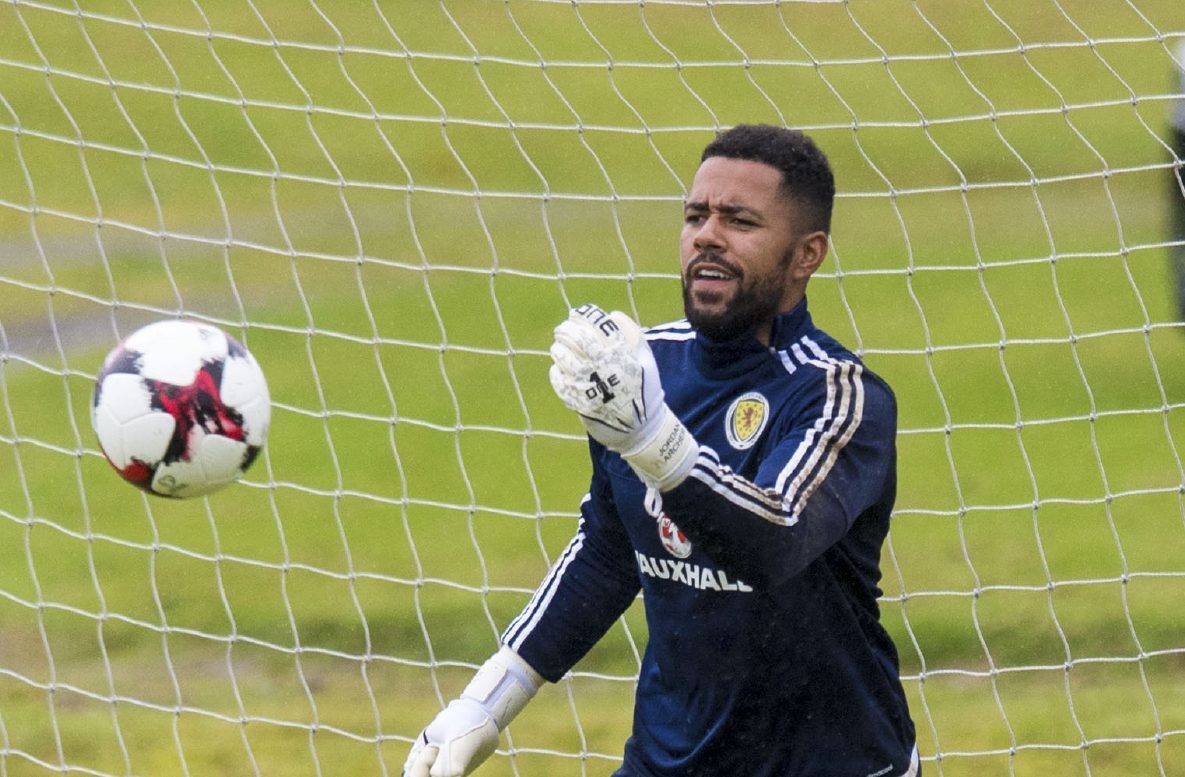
759 572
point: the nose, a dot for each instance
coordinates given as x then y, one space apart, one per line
708 234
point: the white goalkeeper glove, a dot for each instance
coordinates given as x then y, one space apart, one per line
604 370
465 733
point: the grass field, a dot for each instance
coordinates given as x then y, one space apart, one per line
392 205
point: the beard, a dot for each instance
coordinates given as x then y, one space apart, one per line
756 299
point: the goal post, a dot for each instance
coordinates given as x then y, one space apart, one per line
392 204
1176 194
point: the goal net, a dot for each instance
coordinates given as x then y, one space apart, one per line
392 204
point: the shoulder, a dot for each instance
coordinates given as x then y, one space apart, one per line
821 361
671 343
673 331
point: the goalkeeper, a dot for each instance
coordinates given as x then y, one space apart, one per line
747 495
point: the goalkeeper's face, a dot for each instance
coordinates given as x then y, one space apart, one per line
743 258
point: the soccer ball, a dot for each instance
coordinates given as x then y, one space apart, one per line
180 408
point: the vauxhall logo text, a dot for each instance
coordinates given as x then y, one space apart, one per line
693 575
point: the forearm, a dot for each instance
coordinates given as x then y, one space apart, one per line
752 532
582 596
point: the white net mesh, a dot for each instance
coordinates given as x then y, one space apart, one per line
392 204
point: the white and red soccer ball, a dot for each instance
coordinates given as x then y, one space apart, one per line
180 408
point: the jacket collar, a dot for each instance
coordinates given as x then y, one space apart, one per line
735 355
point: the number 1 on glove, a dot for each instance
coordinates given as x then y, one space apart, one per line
602 368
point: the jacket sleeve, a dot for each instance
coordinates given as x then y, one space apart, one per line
834 458
592 583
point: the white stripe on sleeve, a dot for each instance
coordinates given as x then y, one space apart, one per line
816 454
522 626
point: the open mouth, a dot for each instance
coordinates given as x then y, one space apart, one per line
710 274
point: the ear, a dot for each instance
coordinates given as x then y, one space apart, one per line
809 255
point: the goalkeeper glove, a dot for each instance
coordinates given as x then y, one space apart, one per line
465 733
604 370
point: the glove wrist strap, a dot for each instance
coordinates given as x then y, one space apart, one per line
666 458
503 686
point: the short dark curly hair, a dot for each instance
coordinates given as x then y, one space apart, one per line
806 173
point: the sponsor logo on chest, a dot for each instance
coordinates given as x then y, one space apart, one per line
703 578
677 570
673 540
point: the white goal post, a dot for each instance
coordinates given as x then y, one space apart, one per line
392 203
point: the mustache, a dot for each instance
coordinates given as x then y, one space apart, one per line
709 257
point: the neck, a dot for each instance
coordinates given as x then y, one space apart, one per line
764 329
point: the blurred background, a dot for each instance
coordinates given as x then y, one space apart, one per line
392 203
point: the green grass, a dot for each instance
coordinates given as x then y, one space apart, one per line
420 476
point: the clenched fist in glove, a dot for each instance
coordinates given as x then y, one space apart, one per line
466 732
604 370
